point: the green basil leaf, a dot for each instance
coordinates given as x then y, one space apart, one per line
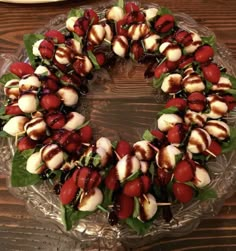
138 226
208 86
133 176
147 135
206 194
114 144
70 216
76 13
231 78
178 157
169 110
83 125
157 82
6 77
96 160
211 40
163 11
231 91
152 170
20 177
4 134
136 208
5 117
2 110
29 40
230 145
93 59
121 4
107 195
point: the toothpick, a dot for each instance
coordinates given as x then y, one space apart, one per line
211 153
153 147
163 203
117 155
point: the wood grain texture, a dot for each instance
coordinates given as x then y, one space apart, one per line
18 229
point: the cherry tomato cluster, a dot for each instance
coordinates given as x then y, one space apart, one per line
164 166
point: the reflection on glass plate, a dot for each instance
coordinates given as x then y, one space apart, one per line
94 232
30 1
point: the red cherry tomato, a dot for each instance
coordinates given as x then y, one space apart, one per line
86 134
50 101
164 23
182 192
124 206
204 54
68 191
111 180
20 69
184 171
123 148
211 73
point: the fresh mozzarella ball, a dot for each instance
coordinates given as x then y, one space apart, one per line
218 107
195 118
137 31
74 120
96 34
223 84
70 22
171 51
105 143
28 102
36 128
104 156
150 13
144 166
12 92
90 200
142 150
115 13
166 157
199 141
218 129
120 46
82 65
126 166
74 45
202 177
167 121
29 82
172 83
189 71
36 45
34 163
64 55
53 156
148 206
68 95
15 125
108 31
196 42
193 83
151 42
42 70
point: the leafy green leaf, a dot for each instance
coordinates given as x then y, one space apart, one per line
29 40
164 10
230 145
5 117
6 77
147 135
20 177
231 78
133 176
169 110
93 59
121 4
157 82
4 134
211 40
138 226
70 216
208 86
178 157
136 207
76 13
206 194
114 144
96 160
231 91
152 170
83 125
107 194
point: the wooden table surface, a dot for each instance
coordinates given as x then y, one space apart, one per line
18 229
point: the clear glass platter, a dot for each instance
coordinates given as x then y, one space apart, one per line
122 104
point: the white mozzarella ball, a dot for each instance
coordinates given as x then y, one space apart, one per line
202 177
151 42
142 150
108 32
68 95
104 156
149 207
106 144
218 107
144 166
29 82
42 70
84 65
74 120
126 166
53 156
35 48
11 89
171 51
223 84
34 163
193 83
218 129
90 200
63 55
150 13
28 102
70 22
74 45
196 42
172 83
195 118
36 128
167 121
138 31
15 125
96 34
115 13
189 71
199 141
166 157
120 46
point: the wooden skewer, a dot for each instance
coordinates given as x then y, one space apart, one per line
117 155
211 153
